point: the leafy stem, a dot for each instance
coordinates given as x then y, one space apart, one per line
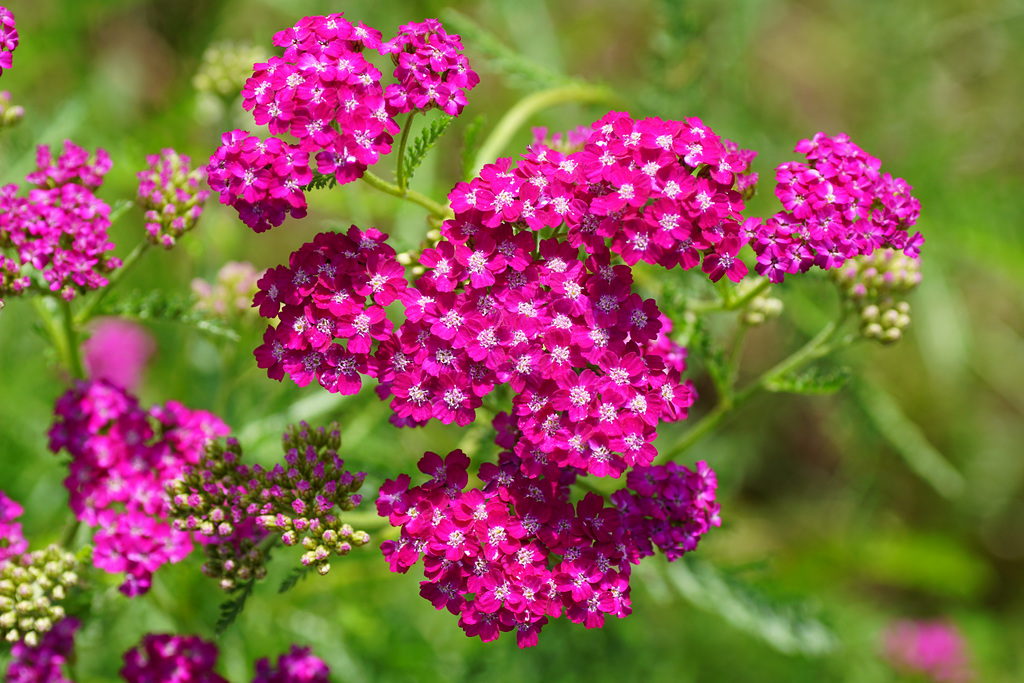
74 355
436 210
400 162
729 400
521 111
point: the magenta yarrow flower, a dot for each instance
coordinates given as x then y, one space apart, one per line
12 540
323 93
516 552
431 69
122 457
44 663
117 351
75 166
165 657
334 289
298 665
8 38
837 206
169 192
669 507
934 650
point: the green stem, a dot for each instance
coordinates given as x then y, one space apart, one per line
436 209
521 111
75 366
86 312
748 296
52 329
728 402
400 162
69 534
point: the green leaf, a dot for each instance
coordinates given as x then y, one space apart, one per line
297 574
519 69
320 182
156 305
424 142
813 380
230 609
704 348
471 141
787 627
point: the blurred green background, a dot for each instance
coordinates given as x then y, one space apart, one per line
899 497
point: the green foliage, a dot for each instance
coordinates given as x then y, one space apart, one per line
231 609
520 70
471 141
156 305
424 142
816 379
703 347
321 182
789 628
297 574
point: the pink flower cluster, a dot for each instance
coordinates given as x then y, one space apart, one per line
12 540
326 95
664 192
44 663
511 554
164 657
669 507
333 288
932 649
298 665
430 68
121 459
117 351
261 179
837 206
169 192
60 229
8 39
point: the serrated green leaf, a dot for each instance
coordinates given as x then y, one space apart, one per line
320 182
471 141
787 627
297 574
813 380
517 68
230 609
156 305
424 142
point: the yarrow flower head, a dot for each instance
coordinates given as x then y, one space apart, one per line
165 657
170 194
32 586
669 507
235 506
8 39
122 457
44 662
333 289
60 229
430 68
298 665
837 206
932 649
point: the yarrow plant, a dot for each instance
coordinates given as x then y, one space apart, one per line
551 303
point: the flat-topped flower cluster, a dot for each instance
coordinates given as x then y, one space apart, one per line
122 456
60 228
323 93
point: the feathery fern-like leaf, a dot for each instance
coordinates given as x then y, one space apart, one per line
424 142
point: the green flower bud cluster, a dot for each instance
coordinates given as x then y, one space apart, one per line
230 295
31 585
237 506
225 67
876 285
9 115
204 501
760 309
